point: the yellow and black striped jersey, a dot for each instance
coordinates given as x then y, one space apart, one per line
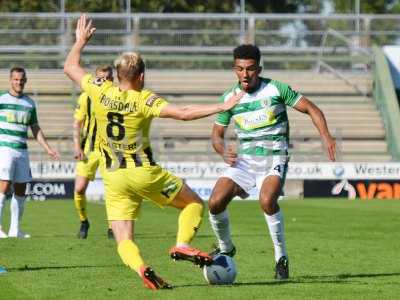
123 122
84 112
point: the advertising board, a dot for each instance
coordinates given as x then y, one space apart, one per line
351 189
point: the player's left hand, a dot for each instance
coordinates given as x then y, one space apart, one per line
84 30
330 146
54 154
232 101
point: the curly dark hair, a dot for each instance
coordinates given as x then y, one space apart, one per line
247 51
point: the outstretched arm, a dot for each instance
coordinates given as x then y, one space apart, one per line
193 112
72 66
306 106
39 136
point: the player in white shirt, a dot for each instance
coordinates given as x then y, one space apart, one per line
17 114
262 127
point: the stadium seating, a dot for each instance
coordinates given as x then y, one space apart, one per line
353 118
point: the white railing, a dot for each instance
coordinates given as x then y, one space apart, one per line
193 33
354 49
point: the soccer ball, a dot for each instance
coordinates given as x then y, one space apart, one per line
221 271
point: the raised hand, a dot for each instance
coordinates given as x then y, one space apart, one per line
84 30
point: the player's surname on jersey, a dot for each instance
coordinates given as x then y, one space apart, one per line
118 105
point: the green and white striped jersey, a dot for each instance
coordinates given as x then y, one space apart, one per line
16 115
260 118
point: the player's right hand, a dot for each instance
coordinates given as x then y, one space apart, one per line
230 156
232 101
54 154
330 146
78 153
84 30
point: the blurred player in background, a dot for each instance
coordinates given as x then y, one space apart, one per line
262 127
17 114
124 114
86 151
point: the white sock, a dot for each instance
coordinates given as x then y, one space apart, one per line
2 200
276 231
17 210
220 225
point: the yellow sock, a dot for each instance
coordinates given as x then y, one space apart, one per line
130 254
188 223
80 204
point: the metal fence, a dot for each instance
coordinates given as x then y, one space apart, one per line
45 37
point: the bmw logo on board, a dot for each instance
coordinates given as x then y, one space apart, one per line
338 171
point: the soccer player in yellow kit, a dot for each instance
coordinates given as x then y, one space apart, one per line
86 151
124 114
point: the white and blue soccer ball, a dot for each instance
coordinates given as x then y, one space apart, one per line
221 271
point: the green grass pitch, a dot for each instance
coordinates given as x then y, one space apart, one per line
338 249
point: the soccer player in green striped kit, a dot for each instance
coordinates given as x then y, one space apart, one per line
262 127
17 114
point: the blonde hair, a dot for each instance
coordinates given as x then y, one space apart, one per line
129 65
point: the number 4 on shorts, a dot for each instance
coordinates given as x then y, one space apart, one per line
278 168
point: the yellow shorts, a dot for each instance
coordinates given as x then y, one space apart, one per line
125 190
88 167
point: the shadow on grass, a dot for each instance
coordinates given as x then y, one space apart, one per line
145 236
347 276
339 278
28 268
